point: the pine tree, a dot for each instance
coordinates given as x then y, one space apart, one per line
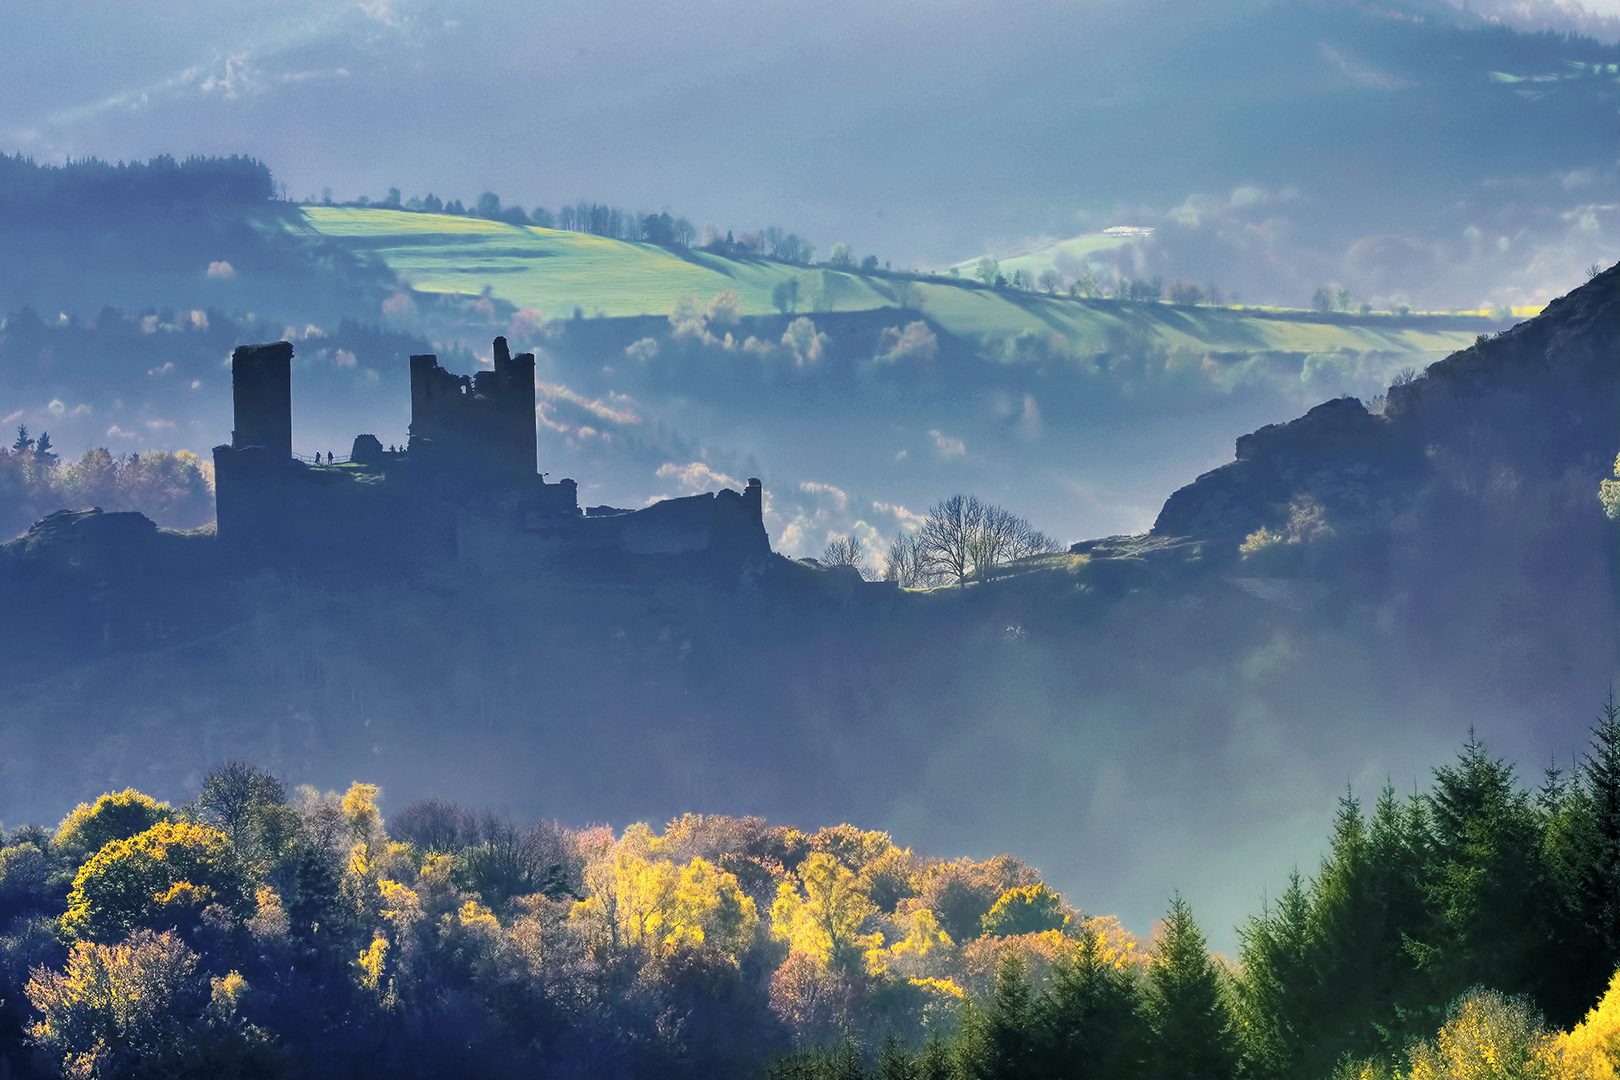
998 1039
1485 878
1597 810
1357 955
1346 927
1089 1024
895 1062
1193 1036
1554 787
1399 851
24 443
1277 985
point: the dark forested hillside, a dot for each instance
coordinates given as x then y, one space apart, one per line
203 233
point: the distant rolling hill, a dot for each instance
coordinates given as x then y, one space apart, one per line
1076 413
1072 411
557 272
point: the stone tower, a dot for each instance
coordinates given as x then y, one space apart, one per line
261 392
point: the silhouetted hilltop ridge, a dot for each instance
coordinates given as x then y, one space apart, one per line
1530 403
1567 350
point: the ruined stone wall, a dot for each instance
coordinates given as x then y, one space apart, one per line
466 487
288 511
723 522
478 430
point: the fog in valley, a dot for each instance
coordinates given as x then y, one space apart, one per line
1356 192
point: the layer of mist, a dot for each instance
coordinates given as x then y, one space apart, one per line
1178 710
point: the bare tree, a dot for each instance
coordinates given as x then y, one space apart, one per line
507 860
495 856
948 534
433 825
906 294
234 795
963 536
988 544
1027 541
846 551
904 563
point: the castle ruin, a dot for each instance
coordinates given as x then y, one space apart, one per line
466 486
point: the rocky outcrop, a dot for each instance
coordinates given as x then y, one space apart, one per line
1569 351
1329 452
1537 400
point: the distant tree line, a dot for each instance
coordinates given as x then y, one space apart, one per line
91 185
596 219
988 272
600 219
174 486
778 244
260 932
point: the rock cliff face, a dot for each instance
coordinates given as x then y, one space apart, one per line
1537 404
1332 452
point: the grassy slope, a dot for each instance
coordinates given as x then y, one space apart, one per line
1039 258
556 272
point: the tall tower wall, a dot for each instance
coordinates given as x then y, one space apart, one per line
261 393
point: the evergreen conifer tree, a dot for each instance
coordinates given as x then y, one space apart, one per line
1273 993
1193 1036
1596 848
1398 852
1089 1023
998 1039
1485 879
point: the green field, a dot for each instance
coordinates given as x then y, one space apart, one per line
560 273
1044 256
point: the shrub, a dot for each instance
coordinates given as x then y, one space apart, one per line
1486 1035
140 1009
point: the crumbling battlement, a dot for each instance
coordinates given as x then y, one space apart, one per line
465 484
480 427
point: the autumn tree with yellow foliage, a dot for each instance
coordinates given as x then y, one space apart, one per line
268 931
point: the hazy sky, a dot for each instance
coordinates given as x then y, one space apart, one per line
1289 149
